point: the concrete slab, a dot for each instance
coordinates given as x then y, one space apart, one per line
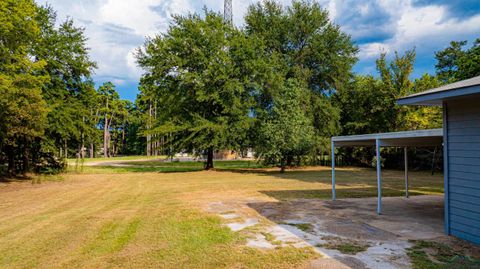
259 242
417 217
237 226
334 228
230 216
355 221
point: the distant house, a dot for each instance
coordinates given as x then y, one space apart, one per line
232 154
461 145
225 155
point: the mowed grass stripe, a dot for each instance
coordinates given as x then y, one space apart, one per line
63 205
79 218
155 220
113 236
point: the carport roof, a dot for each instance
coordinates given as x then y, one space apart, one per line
432 137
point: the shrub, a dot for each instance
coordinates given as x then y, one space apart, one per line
48 163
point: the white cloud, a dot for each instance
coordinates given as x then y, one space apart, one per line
426 28
116 28
373 50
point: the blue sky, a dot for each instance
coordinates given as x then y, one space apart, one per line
115 28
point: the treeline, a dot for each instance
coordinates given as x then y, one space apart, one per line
49 107
282 85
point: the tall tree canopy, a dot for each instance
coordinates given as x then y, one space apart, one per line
114 114
68 90
455 63
201 72
307 47
48 104
369 104
311 47
286 133
22 108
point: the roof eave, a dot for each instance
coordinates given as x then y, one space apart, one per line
437 98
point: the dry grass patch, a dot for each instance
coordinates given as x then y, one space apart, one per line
156 220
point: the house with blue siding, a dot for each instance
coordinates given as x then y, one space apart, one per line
461 145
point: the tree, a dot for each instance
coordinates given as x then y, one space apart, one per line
307 47
200 73
48 104
286 132
147 103
424 117
69 89
369 104
311 47
366 106
22 108
134 143
395 83
454 63
111 108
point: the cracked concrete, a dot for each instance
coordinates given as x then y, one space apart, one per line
343 221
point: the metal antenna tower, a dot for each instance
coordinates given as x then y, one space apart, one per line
227 11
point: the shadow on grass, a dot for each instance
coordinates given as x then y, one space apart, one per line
17 178
312 176
356 182
163 167
135 169
341 193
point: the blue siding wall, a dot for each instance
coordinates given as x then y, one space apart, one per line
463 184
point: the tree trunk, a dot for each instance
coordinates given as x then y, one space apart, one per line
105 137
11 160
114 148
25 157
289 160
148 145
124 141
282 165
155 136
92 155
105 132
66 149
149 136
209 164
82 152
109 139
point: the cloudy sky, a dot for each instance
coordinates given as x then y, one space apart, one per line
115 28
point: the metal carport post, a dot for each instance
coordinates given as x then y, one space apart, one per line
405 153
379 176
334 194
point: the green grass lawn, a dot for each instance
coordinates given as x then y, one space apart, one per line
121 158
119 218
157 165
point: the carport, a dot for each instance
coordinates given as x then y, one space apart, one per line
432 137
